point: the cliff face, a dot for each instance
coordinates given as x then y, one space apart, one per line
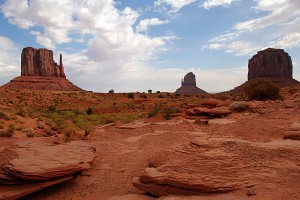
270 63
39 62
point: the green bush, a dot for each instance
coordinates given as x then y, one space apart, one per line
153 112
89 111
262 89
4 116
130 95
52 108
168 112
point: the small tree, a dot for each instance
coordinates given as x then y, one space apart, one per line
130 95
262 89
149 91
111 91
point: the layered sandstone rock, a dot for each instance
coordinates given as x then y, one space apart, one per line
273 64
188 85
31 165
209 165
270 63
39 62
39 71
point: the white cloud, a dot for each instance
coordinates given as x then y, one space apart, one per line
137 76
238 48
214 3
144 24
288 41
176 5
9 60
110 31
258 33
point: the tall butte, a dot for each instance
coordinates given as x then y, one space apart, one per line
274 64
39 71
188 85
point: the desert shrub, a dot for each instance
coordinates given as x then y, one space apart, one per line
157 92
88 129
40 127
77 112
29 132
130 95
21 113
153 112
54 128
50 132
143 96
68 132
168 112
9 132
262 89
89 111
4 116
51 108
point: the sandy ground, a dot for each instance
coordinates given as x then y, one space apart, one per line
124 153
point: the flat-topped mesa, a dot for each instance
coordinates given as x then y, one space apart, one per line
40 62
188 85
270 63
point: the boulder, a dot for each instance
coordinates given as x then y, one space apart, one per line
38 161
216 112
31 165
210 166
293 131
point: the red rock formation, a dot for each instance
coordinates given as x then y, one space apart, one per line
188 85
40 72
39 62
270 63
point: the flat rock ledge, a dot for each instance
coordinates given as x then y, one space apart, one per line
215 166
33 165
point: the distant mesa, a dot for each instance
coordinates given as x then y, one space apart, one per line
188 85
39 71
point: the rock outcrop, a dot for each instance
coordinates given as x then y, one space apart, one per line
39 62
188 85
209 165
270 63
273 64
28 166
39 71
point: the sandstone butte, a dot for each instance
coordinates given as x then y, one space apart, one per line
188 85
39 71
273 64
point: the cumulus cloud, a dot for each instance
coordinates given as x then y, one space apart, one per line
9 59
144 24
214 3
110 30
176 5
282 16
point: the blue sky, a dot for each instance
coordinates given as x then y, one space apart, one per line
135 45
